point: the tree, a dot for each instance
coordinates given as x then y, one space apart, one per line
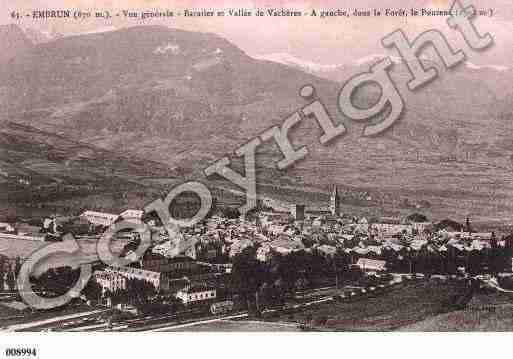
451 258
417 217
497 256
288 271
17 266
262 296
468 226
2 280
341 262
279 291
301 283
248 275
92 290
11 281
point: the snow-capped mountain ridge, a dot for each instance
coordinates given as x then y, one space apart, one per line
40 36
313 67
499 68
291 60
372 59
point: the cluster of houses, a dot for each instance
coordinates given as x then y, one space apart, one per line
51 228
21 231
214 244
107 219
179 276
186 265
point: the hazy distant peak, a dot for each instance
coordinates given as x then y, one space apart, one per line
41 36
99 30
13 41
374 58
473 66
290 60
313 67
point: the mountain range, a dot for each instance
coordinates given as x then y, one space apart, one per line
181 100
13 41
339 72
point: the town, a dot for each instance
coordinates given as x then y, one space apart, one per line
266 265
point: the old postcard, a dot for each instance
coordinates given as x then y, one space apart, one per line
257 166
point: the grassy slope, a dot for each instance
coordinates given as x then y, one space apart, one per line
388 311
493 312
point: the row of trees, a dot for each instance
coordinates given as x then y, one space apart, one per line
56 281
8 273
7 280
487 260
259 284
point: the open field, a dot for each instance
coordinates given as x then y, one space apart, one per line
12 248
390 310
26 320
239 326
8 311
492 312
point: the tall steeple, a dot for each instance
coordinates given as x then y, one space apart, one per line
335 202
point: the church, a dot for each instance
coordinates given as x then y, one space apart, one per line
335 202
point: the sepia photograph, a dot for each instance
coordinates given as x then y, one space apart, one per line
256 166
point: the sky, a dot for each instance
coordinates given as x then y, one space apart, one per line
325 41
